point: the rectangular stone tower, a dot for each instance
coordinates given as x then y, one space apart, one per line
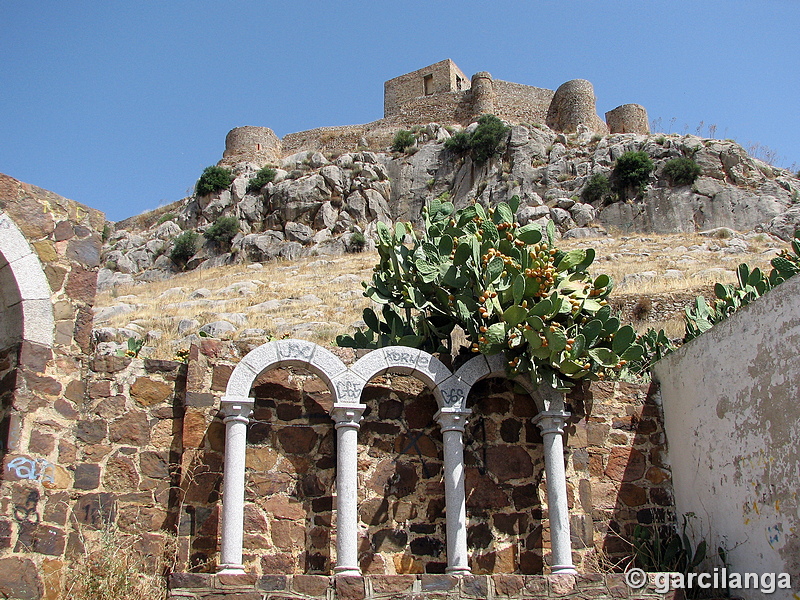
437 78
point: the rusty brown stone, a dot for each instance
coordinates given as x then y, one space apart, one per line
154 464
87 476
75 390
657 475
81 284
132 429
91 432
282 507
41 443
65 409
419 412
147 392
508 585
85 252
219 377
19 579
34 357
42 384
279 564
509 462
100 389
350 588
660 496
82 334
393 584
482 493
561 584
120 474
297 440
625 464
311 585
107 363
632 494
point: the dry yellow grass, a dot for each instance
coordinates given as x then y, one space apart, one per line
316 295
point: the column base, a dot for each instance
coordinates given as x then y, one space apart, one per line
230 569
563 570
458 571
344 570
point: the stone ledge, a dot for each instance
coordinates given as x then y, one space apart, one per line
249 586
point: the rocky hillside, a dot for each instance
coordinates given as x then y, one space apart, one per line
318 204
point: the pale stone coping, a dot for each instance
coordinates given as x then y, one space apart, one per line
38 324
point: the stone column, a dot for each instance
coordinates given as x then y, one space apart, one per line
452 424
347 418
551 424
237 413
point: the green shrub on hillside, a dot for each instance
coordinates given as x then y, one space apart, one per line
485 142
184 247
488 138
597 188
262 178
403 140
458 142
682 171
222 231
632 171
213 180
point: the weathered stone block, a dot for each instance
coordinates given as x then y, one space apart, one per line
147 392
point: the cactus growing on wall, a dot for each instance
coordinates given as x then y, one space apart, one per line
507 287
750 285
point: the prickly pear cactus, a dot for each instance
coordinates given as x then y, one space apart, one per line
751 284
508 287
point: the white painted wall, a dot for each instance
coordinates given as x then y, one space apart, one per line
732 417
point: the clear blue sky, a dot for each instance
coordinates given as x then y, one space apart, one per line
120 105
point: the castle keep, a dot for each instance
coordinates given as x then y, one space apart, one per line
442 93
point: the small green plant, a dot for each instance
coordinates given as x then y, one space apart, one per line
167 217
682 171
213 180
134 345
181 355
222 231
357 242
485 142
184 247
632 171
107 231
262 178
597 188
403 140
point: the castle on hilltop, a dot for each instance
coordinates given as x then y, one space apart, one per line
441 93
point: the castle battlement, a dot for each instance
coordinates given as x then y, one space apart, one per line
442 93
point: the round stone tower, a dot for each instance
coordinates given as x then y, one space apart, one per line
256 144
482 93
628 118
574 104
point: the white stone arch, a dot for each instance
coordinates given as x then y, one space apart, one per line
483 367
284 353
26 293
237 406
406 361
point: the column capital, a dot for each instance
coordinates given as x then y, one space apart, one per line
236 408
347 415
452 420
551 421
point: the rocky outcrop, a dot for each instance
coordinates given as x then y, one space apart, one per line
321 204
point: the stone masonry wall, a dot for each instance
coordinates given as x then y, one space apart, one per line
42 378
141 444
521 103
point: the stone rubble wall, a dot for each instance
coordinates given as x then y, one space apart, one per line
401 587
519 103
140 445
